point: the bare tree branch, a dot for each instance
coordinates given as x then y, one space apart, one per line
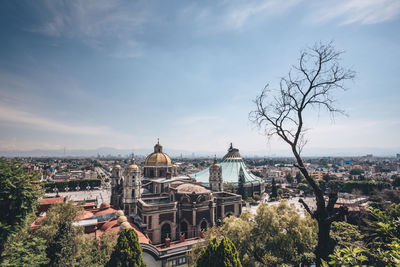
280 112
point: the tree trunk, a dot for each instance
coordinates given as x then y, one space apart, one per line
325 244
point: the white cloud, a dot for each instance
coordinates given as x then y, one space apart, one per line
29 120
240 13
357 11
101 24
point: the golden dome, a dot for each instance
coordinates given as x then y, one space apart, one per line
122 219
117 166
216 165
133 167
158 158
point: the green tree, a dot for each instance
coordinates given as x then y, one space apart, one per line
91 252
62 237
346 234
347 256
127 252
298 177
241 187
276 235
18 197
289 178
356 171
24 248
274 189
219 254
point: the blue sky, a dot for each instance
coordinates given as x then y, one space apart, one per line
88 74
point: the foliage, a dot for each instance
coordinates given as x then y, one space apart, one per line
72 184
289 178
395 180
346 234
298 177
219 254
229 187
241 187
127 252
24 248
92 253
275 235
356 171
348 256
274 189
382 235
62 237
18 197
366 187
305 187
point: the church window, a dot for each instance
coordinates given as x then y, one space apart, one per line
165 232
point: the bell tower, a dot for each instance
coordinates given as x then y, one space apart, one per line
116 186
215 178
132 187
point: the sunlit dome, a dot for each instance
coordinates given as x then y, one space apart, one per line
158 158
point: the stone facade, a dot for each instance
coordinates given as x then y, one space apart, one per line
171 207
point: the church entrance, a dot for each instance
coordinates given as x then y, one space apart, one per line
165 232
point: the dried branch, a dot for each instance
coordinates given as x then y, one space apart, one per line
307 208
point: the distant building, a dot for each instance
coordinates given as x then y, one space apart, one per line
232 166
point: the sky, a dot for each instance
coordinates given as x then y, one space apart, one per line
120 74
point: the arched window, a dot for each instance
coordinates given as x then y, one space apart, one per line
184 229
165 232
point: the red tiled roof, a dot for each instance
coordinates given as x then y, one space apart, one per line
51 200
85 215
112 226
106 211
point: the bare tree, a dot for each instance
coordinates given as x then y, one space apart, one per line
310 84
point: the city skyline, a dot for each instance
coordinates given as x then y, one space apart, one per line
86 75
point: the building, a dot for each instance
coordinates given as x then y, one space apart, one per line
233 166
167 207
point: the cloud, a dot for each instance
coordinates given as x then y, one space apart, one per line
235 14
357 11
101 24
29 120
240 13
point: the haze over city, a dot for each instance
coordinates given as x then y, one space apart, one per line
92 74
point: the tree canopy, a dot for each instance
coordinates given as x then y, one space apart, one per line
127 252
18 197
219 254
275 235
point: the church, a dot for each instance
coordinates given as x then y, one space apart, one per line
168 207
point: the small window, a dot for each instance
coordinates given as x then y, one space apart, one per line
149 224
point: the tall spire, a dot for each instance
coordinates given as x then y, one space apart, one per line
215 159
